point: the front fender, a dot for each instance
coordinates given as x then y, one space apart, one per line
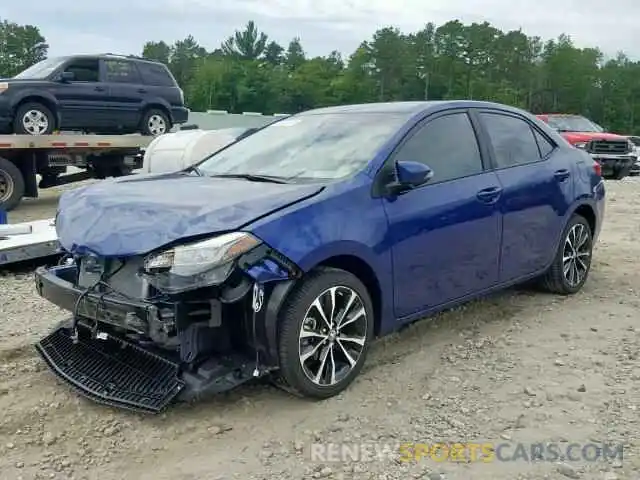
35 94
342 221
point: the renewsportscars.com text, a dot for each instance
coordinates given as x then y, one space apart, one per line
486 452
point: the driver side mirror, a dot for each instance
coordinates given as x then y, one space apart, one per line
67 77
409 175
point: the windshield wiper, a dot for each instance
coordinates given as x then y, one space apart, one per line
194 169
252 178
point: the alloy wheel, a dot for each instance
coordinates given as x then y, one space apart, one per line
35 122
157 125
332 336
576 256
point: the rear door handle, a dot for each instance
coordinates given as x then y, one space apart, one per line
100 89
489 195
142 90
562 175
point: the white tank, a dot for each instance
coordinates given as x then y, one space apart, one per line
176 151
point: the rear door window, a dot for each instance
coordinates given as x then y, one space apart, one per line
121 71
512 138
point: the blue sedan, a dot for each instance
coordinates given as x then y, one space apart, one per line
286 253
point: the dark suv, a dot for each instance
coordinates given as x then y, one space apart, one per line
93 93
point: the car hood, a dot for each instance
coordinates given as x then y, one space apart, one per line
137 214
576 137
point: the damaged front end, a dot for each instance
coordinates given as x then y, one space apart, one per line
176 324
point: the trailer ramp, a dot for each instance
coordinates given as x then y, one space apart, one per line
20 242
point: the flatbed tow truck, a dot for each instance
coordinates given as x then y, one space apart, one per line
24 157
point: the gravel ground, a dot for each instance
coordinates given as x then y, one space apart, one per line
517 368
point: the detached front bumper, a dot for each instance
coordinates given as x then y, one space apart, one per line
106 367
615 166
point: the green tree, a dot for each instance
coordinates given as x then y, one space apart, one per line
250 72
158 51
248 44
20 47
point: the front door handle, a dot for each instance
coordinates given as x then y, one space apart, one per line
562 175
489 195
100 89
142 90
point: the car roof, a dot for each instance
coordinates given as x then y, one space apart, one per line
409 107
111 55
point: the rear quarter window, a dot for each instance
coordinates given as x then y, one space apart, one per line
155 75
545 145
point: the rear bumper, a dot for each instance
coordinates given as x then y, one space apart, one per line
179 115
615 165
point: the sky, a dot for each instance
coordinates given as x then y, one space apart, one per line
123 26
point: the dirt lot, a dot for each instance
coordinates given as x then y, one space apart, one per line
520 367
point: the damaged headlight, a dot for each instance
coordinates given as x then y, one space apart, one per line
196 265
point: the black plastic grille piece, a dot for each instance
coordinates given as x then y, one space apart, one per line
112 371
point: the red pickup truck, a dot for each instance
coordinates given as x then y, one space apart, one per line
615 153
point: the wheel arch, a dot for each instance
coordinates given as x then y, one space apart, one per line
582 207
156 105
45 100
354 264
588 212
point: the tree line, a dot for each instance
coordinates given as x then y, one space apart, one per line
251 72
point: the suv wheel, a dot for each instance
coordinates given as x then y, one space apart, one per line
155 122
33 118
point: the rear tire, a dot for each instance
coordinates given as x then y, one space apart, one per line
340 344
155 122
12 186
33 118
572 263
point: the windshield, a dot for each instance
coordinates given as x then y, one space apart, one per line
308 147
574 124
41 69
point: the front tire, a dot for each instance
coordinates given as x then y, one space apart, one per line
327 325
34 118
572 263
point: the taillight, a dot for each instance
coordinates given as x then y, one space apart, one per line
597 168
